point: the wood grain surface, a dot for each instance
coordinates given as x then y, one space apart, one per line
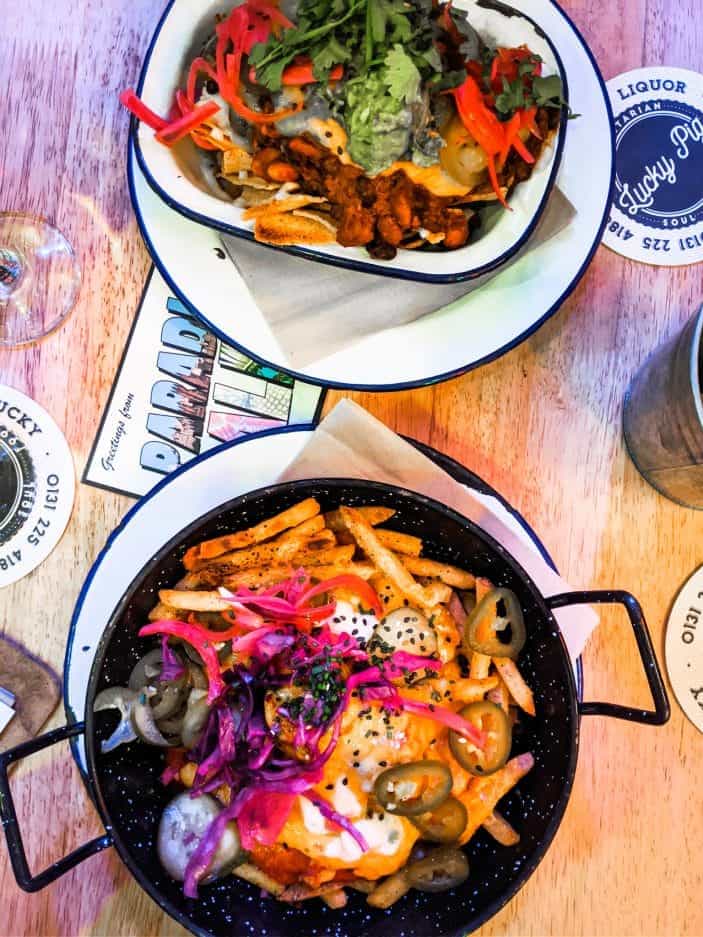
542 424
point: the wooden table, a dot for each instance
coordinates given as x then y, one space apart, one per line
542 424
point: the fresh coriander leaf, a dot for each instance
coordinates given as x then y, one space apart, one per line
448 80
378 20
401 75
548 91
432 57
512 97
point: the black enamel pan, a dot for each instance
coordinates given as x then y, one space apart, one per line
125 783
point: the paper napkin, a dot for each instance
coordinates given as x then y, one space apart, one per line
350 443
315 309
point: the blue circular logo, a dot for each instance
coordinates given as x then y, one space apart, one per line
658 178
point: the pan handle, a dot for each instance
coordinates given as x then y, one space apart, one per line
8 816
662 710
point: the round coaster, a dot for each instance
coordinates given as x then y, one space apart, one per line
37 485
684 648
657 210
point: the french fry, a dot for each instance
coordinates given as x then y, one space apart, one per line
457 611
187 774
500 695
373 514
448 634
190 601
364 885
385 560
301 891
388 592
501 831
483 794
389 891
270 575
319 541
451 575
398 542
313 525
161 612
267 529
257 555
471 691
481 663
335 899
514 681
224 574
256 876
330 556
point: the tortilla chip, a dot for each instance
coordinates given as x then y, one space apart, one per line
282 205
251 196
254 182
235 159
288 229
318 216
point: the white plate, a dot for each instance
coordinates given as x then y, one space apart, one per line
211 479
471 331
175 174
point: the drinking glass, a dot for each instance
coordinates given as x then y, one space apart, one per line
663 417
39 278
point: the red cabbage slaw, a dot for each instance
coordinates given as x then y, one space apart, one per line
272 630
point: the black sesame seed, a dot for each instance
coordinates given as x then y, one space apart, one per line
345 781
329 787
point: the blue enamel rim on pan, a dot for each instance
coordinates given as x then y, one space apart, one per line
459 471
358 265
434 379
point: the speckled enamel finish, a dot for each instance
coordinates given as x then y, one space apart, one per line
130 797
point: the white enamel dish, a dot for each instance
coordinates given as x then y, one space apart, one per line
174 174
477 328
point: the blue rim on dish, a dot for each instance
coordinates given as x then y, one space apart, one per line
358 265
458 471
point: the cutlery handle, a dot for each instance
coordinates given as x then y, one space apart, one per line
661 712
10 825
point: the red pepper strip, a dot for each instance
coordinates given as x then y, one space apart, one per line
300 73
346 581
506 65
522 150
198 66
483 125
193 634
512 127
495 185
271 10
137 107
180 128
228 66
527 118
